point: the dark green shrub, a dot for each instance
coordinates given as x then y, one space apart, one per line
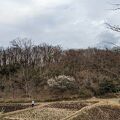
108 86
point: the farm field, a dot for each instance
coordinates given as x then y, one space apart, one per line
92 109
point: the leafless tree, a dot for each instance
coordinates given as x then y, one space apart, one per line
114 27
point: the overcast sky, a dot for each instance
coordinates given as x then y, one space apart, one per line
69 23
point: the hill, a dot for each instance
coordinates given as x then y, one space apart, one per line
48 72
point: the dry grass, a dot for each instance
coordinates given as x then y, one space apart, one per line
94 109
44 114
100 111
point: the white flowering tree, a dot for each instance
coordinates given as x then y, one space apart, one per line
62 82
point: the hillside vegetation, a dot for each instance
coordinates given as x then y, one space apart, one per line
48 72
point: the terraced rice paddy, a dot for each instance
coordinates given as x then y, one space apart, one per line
44 114
13 107
69 110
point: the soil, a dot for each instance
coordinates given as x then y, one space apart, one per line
12 107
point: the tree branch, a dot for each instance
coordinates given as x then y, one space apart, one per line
113 27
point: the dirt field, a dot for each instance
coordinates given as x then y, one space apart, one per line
92 109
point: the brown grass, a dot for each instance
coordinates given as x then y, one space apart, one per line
106 109
41 114
100 111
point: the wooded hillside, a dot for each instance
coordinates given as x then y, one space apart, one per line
44 71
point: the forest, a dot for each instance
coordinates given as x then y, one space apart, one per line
50 72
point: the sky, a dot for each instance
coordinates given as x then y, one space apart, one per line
68 23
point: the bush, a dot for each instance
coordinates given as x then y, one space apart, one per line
85 93
108 86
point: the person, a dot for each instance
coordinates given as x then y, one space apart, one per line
33 103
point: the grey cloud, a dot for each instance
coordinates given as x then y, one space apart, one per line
75 24
107 40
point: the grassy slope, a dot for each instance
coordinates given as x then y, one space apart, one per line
100 111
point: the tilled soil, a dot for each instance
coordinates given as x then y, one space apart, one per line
70 105
12 107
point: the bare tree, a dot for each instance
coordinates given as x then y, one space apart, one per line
114 27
